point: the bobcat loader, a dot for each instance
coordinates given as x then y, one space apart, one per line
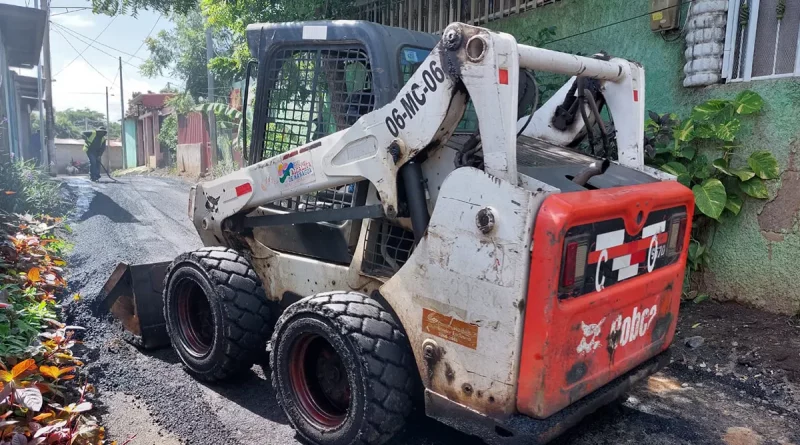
412 227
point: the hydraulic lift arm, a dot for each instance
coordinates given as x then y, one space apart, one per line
468 63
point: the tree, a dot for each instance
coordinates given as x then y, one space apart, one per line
70 123
235 15
181 52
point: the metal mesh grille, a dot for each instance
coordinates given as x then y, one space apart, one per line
321 200
315 92
386 249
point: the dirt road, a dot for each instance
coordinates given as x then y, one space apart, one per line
707 396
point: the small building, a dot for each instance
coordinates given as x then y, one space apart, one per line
21 34
69 150
149 111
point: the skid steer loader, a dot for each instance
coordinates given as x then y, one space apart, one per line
412 226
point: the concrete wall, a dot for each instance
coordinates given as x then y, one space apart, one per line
190 159
754 256
68 149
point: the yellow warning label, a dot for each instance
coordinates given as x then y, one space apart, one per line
658 16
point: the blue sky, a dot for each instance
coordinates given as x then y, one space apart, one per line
81 83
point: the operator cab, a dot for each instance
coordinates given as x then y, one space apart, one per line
317 78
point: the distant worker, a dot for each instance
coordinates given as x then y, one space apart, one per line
94 144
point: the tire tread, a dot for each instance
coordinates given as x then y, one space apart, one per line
386 362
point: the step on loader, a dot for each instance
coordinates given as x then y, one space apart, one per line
414 227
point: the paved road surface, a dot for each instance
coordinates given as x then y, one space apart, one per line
143 219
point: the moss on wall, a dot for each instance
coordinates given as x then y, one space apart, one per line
753 256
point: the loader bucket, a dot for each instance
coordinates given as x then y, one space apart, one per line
133 294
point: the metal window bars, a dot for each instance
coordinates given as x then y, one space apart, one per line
386 248
760 44
315 92
434 15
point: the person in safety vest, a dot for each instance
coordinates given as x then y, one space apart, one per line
94 144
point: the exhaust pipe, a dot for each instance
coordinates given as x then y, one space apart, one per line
592 170
133 295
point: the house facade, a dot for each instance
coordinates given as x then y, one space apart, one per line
21 33
724 48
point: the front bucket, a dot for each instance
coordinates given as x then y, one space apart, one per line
133 294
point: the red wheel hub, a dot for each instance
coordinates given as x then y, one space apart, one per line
319 381
195 318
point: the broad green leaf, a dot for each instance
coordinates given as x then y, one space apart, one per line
699 299
705 131
748 102
688 153
764 165
698 168
744 174
685 179
710 197
674 168
721 164
755 187
708 110
663 149
685 132
728 131
734 203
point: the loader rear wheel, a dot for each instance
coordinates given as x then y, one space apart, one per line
342 369
218 317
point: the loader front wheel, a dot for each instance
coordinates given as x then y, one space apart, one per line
342 370
218 317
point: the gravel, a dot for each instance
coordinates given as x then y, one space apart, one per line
143 219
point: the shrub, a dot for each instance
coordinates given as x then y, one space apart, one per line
26 189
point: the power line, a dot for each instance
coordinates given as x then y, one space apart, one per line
102 51
80 36
140 46
617 23
80 54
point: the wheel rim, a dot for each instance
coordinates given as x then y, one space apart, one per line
319 381
195 318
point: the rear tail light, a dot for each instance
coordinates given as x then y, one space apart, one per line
677 234
574 264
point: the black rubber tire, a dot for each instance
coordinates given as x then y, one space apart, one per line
240 311
381 371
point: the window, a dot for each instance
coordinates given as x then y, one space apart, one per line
762 40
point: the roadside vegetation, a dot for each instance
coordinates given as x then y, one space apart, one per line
704 151
44 399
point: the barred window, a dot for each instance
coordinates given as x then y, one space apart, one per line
762 40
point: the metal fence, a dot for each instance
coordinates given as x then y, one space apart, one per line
434 15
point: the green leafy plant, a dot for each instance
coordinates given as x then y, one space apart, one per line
682 147
26 189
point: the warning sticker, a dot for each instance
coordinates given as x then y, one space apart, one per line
449 328
658 16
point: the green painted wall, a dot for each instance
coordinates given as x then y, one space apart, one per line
756 257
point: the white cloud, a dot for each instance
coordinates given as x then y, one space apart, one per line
80 86
74 20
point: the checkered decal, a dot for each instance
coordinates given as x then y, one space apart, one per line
618 255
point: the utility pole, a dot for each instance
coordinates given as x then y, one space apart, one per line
108 135
212 118
122 118
44 160
48 75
